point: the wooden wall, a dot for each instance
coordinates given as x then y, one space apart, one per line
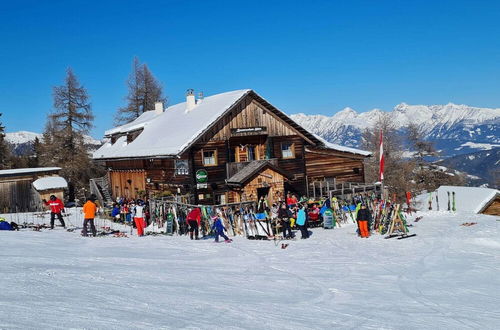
493 208
158 176
248 113
16 196
122 187
267 178
324 164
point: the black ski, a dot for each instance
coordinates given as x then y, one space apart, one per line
407 236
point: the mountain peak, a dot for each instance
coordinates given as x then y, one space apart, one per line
346 113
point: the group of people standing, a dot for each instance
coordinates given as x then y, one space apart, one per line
289 216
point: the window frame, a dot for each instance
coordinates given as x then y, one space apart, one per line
176 168
215 157
292 150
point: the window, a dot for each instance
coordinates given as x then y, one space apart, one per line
250 153
209 157
181 167
287 150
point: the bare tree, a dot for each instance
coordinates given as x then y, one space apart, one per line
143 91
397 174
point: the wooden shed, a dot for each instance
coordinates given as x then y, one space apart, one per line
17 193
492 207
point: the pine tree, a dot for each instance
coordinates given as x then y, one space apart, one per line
5 154
143 91
63 139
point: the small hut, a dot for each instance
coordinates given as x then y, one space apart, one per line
17 193
51 185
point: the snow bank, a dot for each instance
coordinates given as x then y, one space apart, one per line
467 199
50 182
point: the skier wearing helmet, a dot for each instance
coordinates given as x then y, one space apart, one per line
56 207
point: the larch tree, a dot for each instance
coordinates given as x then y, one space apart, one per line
4 149
143 91
63 139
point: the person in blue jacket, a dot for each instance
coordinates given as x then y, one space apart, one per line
302 222
219 229
115 212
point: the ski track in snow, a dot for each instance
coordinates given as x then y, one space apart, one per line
444 278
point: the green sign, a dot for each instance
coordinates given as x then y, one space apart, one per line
201 176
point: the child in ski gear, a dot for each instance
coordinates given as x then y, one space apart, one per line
219 229
56 207
139 217
302 222
194 219
363 218
89 209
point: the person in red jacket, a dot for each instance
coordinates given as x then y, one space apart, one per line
194 219
56 207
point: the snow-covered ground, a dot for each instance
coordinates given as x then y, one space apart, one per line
444 278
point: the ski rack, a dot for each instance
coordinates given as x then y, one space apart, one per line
163 211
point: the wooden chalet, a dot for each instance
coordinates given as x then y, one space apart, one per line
228 147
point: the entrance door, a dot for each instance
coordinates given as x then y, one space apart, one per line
263 192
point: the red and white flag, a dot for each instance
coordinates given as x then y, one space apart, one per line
381 157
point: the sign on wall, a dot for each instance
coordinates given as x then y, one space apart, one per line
248 130
201 176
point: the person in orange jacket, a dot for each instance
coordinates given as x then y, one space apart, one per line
89 210
56 207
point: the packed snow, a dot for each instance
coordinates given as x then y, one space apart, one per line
50 182
444 278
472 199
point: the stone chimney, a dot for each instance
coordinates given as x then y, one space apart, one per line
158 107
190 100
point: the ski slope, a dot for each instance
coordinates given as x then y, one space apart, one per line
444 278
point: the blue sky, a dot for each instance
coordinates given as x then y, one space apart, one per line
302 56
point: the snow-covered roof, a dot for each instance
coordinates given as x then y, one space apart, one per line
338 147
170 132
467 199
50 182
19 171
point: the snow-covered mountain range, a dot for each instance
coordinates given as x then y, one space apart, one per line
21 142
455 129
